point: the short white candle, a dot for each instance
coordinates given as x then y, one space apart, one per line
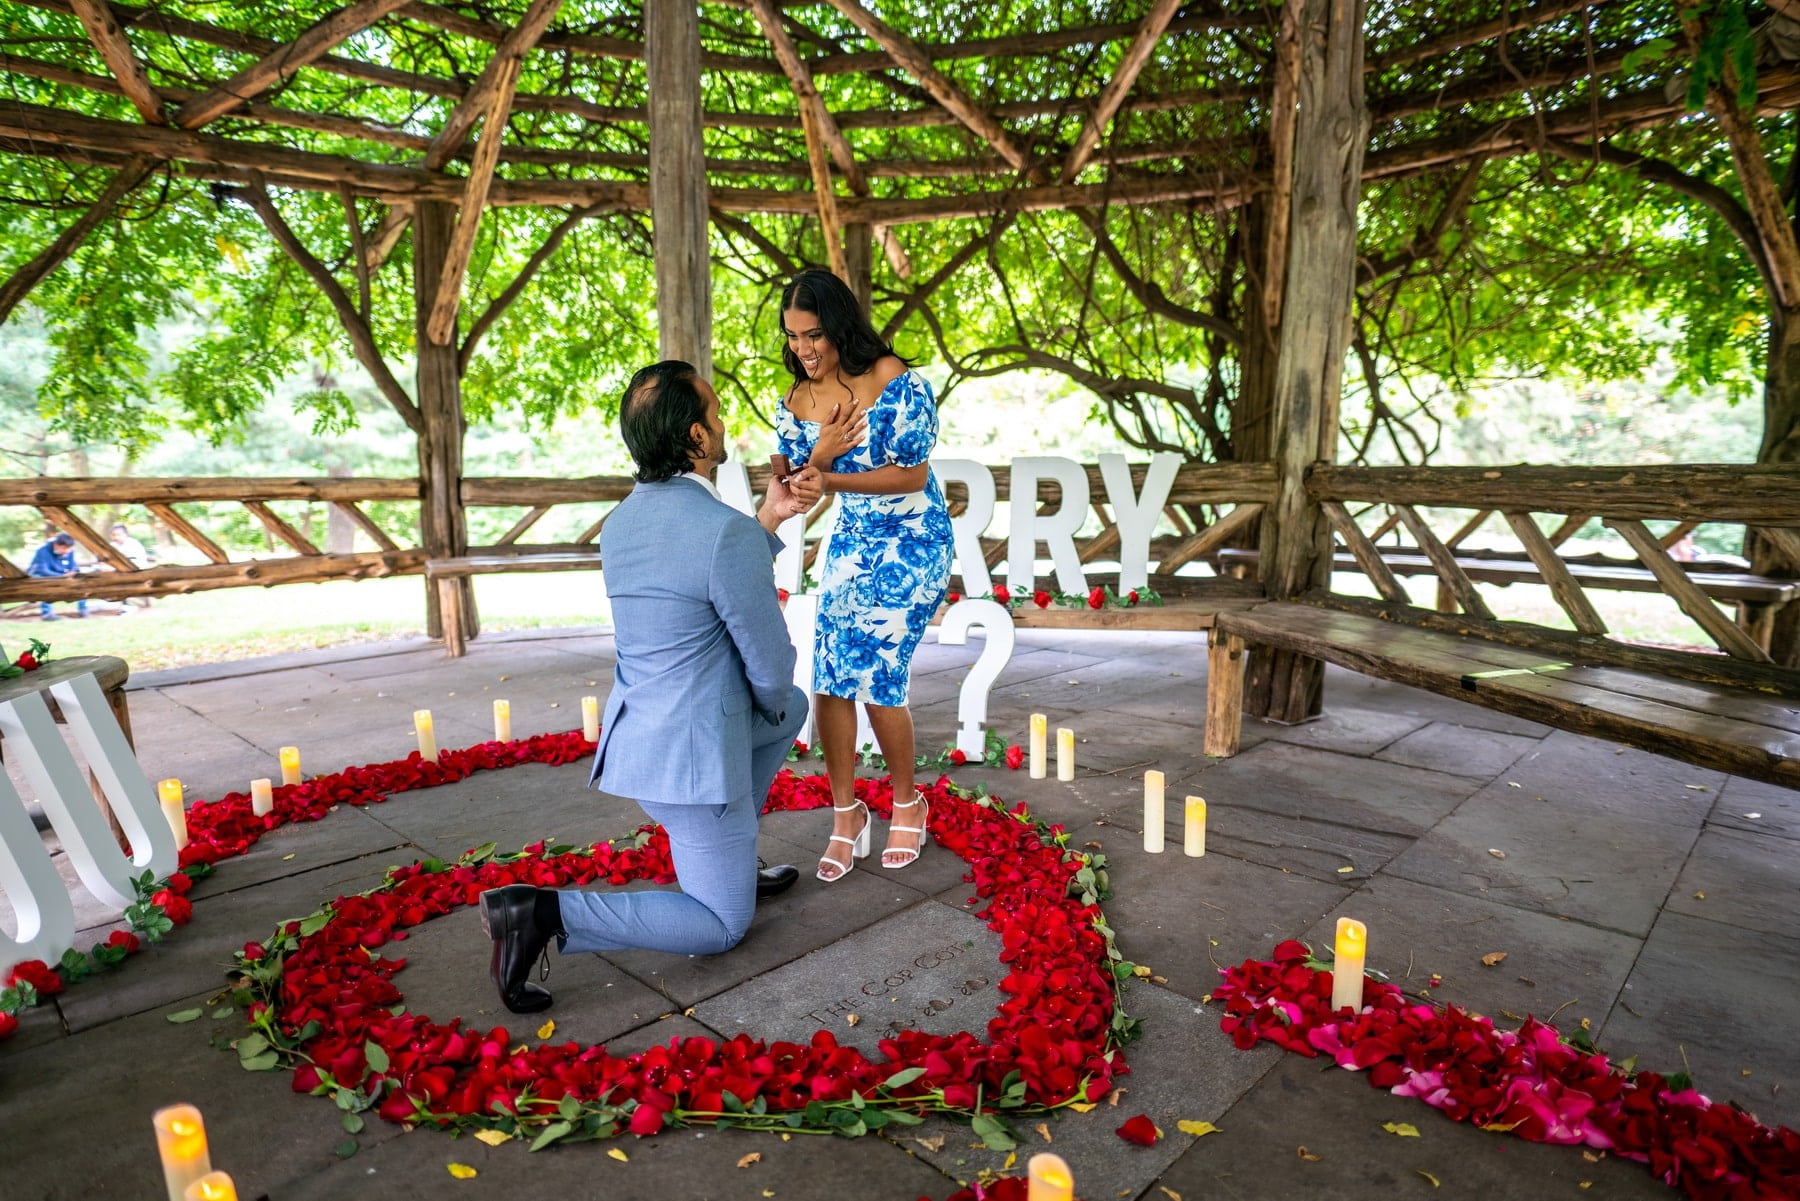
590 718
1153 812
290 765
427 737
181 1142
214 1186
1065 753
262 797
502 721
1040 746
169 793
1049 1178
1194 835
1347 970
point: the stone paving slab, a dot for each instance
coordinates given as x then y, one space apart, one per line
928 968
1335 1116
1717 1002
1332 787
1587 776
1753 805
1458 750
1743 879
83 1105
1551 967
1559 859
1183 1068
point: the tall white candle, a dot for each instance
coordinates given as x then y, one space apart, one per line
502 721
214 1186
1065 753
1194 833
1048 1178
1040 746
169 793
1153 812
181 1142
1347 970
290 765
590 718
262 797
428 748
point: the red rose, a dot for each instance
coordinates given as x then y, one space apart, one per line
179 883
958 758
1140 1130
38 974
781 594
952 597
1131 598
125 939
8 1023
1041 599
27 661
1097 598
1015 757
254 952
1003 594
179 910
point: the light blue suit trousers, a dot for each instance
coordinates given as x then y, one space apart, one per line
701 716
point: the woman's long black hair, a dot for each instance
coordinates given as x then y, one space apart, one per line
827 297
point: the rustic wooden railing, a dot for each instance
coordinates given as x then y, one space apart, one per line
1765 500
1207 505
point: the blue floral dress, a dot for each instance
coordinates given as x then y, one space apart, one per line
888 561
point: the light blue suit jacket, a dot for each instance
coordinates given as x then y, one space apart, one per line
702 648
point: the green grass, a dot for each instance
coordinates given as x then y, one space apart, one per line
241 623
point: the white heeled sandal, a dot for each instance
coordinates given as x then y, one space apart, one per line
859 846
911 854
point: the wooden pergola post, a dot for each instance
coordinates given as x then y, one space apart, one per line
1320 126
679 196
443 528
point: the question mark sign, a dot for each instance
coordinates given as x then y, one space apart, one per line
972 704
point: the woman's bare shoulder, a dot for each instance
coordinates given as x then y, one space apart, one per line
886 370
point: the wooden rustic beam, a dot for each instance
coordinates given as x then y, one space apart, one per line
821 175
1562 583
907 54
524 523
1149 32
1283 115
188 531
1443 559
160 580
20 283
1205 541
1685 593
272 521
442 324
680 193
1366 553
104 31
131 490
479 99
281 63
1757 494
366 524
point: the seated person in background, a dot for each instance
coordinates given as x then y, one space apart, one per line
54 559
131 548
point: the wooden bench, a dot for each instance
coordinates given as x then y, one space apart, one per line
1738 717
444 572
111 674
1758 597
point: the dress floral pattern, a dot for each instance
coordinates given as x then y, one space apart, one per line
888 562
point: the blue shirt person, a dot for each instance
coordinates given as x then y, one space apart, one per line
53 559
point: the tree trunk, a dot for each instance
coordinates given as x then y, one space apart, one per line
443 530
1780 444
679 197
1330 132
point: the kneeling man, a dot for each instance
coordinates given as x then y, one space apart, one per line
703 708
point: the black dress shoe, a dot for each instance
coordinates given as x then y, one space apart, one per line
514 919
772 881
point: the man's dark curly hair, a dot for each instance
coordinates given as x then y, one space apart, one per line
657 416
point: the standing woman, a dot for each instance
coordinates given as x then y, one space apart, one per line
859 423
